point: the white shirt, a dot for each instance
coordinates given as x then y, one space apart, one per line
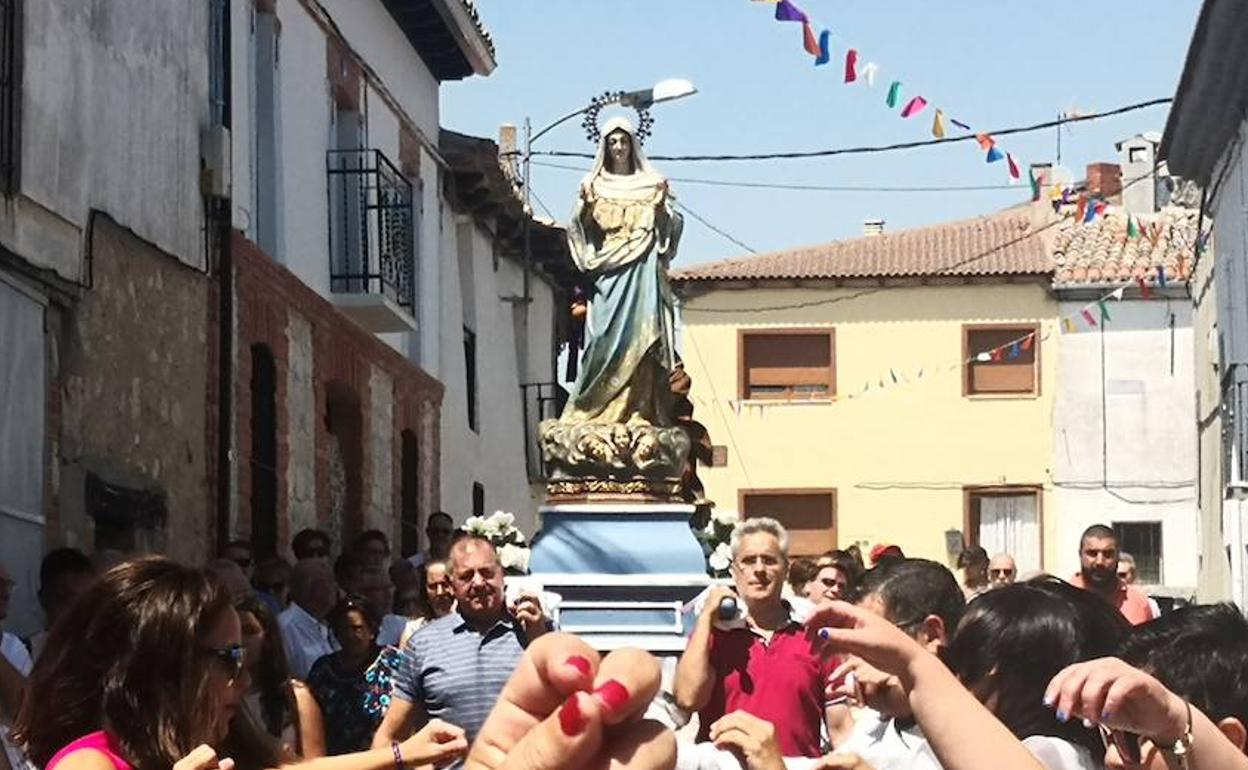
305 638
15 652
883 744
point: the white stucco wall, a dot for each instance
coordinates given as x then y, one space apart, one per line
113 100
1143 443
493 455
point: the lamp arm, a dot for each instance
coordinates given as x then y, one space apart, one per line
558 122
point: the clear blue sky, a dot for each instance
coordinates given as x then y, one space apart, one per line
990 63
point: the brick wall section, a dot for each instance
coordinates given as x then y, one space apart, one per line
272 305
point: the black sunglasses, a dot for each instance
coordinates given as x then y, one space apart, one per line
232 658
1127 744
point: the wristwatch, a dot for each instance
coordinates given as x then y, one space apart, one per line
1180 749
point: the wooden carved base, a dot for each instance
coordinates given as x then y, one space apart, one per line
641 463
613 490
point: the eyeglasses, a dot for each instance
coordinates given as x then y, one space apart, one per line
232 659
1001 572
1127 744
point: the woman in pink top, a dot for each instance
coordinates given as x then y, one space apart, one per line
146 671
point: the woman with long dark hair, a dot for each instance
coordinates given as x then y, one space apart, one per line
283 707
147 671
1012 641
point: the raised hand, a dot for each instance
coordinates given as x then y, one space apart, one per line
1110 692
438 743
564 708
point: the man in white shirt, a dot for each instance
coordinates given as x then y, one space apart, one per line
305 634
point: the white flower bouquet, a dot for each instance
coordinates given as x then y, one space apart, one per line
501 530
715 537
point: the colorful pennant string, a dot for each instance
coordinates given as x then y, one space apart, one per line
820 46
1101 304
1145 292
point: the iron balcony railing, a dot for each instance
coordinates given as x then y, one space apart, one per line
542 401
371 238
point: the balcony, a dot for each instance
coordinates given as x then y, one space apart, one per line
372 264
541 401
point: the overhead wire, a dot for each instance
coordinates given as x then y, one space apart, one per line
1031 233
685 208
811 187
871 149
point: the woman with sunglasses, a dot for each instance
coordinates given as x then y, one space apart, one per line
147 671
283 707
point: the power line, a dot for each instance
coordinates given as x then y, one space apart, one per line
874 289
869 149
710 226
811 187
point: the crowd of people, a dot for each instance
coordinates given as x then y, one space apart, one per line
370 662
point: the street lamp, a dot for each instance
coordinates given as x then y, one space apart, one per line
641 101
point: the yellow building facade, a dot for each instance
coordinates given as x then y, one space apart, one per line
911 406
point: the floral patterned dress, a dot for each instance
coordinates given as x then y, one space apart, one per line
352 701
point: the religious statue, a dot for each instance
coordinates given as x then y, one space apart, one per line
618 432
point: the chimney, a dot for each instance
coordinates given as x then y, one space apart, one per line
872 227
506 151
1105 181
1139 177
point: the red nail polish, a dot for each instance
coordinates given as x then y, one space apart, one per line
579 663
614 696
571 720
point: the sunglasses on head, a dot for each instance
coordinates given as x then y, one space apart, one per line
1127 744
232 659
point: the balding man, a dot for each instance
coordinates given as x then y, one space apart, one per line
1001 570
454 668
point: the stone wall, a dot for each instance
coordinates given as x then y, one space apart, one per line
132 399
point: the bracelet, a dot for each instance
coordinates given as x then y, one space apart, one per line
398 755
1183 746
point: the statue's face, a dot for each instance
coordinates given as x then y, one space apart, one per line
619 152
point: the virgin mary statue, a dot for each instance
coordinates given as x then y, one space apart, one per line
624 232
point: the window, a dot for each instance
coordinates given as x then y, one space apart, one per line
1006 520
1001 360
470 376
788 364
1142 539
263 451
478 499
10 93
808 514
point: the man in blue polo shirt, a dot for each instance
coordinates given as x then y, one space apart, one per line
454 668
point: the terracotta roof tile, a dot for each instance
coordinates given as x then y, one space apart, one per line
1100 251
1004 243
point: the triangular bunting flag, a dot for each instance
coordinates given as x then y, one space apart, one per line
851 66
1145 292
825 48
1068 325
1117 293
809 40
1029 340
1081 208
868 73
786 11
985 141
1133 227
996 354
938 125
960 124
1014 352
1087 316
1034 181
894 94
1161 276
913 107
1104 311
994 155
892 374
1090 211
1015 174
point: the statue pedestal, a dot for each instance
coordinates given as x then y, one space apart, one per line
624 572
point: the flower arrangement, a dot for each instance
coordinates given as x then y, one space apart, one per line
501 530
715 537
